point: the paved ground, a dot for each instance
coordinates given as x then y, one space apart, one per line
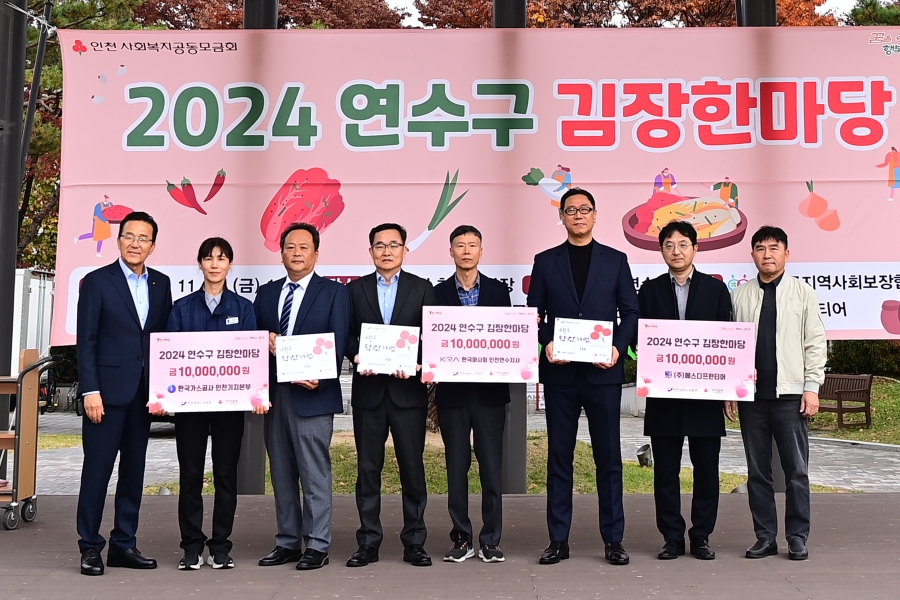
851 466
853 555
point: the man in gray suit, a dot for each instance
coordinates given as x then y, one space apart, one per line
299 426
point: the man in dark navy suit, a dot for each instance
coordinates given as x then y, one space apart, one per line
299 426
119 306
474 411
581 279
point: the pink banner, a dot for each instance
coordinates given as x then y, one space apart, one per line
239 133
699 360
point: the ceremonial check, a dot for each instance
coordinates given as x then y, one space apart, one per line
387 349
209 371
579 340
305 357
697 360
479 344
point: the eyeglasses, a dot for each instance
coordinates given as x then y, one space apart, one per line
683 246
393 247
129 237
585 210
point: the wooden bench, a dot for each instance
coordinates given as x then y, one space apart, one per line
843 394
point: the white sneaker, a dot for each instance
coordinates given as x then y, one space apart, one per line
190 561
220 561
459 552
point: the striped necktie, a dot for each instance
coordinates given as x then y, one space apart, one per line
286 311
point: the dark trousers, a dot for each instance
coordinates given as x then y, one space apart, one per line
780 420
123 431
485 426
191 433
602 404
704 453
370 431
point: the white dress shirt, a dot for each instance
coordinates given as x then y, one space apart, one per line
299 292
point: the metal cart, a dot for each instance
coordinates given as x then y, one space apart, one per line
20 493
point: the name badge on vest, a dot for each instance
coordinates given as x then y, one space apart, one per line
231 320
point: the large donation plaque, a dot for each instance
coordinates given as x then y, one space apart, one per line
698 360
479 344
209 371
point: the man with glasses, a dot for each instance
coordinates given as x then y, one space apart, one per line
682 293
396 403
119 306
582 279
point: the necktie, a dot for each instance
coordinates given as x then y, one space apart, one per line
286 311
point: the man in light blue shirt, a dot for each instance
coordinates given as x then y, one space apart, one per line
387 295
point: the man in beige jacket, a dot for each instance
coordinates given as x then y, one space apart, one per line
790 364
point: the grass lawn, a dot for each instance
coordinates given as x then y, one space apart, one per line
55 441
637 480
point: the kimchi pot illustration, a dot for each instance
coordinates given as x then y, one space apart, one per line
308 196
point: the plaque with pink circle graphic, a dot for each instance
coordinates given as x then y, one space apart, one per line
582 340
386 349
696 360
305 357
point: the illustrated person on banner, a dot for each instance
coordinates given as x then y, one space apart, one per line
300 424
665 182
382 404
582 279
728 192
790 364
475 411
100 228
211 308
684 293
892 162
119 306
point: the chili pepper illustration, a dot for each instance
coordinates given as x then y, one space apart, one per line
216 186
177 194
184 196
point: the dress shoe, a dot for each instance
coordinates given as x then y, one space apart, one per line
415 555
700 549
363 556
312 559
130 559
762 549
280 556
671 550
554 553
615 554
797 550
91 562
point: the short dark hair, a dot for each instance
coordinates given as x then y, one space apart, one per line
769 232
143 218
575 192
387 227
682 227
210 244
311 229
465 230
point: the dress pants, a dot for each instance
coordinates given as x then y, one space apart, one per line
484 424
123 431
602 404
300 453
761 422
704 453
370 431
191 433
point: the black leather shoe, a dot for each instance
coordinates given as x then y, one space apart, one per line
762 549
91 562
280 556
363 556
700 549
415 555
554 553
615 554
312 559
797 550
671 550
129 559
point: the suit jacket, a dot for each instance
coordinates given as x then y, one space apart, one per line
113 348
325 309
708 300
492 293
412 294
609 290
